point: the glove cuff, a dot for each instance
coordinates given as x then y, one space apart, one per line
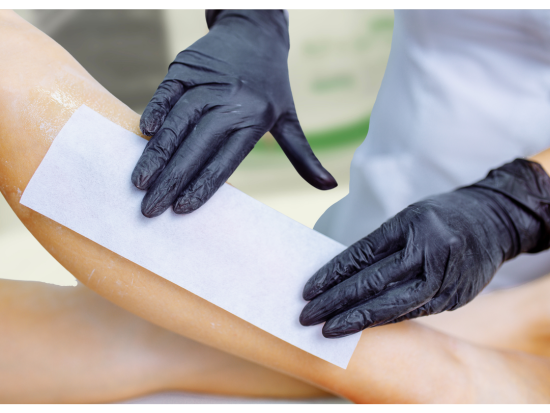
212 16
269 25
526 190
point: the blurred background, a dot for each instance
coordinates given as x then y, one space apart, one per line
336 63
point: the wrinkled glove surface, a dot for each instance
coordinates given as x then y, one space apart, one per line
219 97
433 256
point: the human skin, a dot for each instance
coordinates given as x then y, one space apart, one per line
512 319
51 335
43 86
69 345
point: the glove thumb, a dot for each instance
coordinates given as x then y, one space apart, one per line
288 133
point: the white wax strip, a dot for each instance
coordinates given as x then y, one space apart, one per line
235 252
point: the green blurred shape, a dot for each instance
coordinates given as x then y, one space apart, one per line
331 138
340 81
382 24
316 48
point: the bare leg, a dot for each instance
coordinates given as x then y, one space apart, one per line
515 319
400 363
69 345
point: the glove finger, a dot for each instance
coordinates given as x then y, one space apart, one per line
191 156
164 99
434 306
161 147
381 243
362 286
218 170
419 312
288 133
397 301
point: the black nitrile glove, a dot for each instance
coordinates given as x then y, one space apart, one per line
435 255
219 97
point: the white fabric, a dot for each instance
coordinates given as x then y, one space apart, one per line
463 92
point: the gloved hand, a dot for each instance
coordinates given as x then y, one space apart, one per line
435 255
219 97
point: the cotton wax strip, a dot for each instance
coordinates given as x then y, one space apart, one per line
235 252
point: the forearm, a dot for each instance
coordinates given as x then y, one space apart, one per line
543 158
38 97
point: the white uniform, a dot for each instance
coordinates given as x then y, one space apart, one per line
463 92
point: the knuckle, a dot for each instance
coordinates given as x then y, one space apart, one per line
455 241
166 91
